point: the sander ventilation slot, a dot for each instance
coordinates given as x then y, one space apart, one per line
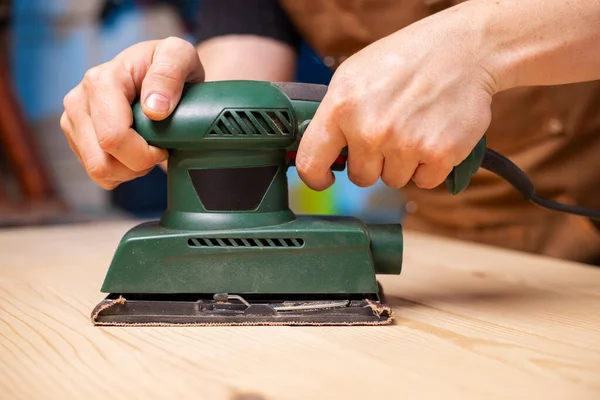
249 123
246 242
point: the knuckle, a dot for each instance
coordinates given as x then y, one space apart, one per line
110 139
340 107
93 76
392 181
166 71
185 50
435 156
174 41
342 93
427 182
65 124
376 135
143 172
360 179
352 177
424 183
120 72
144 163
109 185
409 143
304 166
433 172
345 77
436 153
71 99
342 85
99 171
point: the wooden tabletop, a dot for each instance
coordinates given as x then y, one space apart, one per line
472 322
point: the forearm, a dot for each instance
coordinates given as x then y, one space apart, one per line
537 42
248 58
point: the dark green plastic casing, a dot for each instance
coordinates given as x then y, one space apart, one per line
228 226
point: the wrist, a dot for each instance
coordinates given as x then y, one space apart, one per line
535 42
494 42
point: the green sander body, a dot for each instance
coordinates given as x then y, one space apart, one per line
228 249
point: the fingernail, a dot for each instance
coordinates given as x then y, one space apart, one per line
158 103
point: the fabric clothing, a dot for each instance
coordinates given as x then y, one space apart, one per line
551 132
263 18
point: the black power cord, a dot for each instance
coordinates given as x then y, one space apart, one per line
506 169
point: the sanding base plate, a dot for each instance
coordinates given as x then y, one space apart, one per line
227 310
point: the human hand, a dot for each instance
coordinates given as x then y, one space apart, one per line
97 119
410 106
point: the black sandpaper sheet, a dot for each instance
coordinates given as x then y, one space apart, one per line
119 311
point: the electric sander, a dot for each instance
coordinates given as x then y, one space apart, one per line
228 250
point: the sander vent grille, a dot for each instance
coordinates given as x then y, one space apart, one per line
250 123
246 242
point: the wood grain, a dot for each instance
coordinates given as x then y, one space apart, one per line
472 322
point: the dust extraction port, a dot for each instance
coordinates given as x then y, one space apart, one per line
386 247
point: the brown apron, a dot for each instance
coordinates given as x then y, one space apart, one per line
552 133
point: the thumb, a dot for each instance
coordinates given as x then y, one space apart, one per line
174 62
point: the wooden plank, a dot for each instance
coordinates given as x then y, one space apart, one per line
472 322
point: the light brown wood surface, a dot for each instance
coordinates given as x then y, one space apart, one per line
472 322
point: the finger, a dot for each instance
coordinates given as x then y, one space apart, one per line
319 147
398 168
100 166
434 169
110 91
174 62
67 128
364 168
365 143
128 175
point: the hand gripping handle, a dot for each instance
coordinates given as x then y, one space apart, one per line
302 93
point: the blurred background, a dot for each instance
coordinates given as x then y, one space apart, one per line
47 46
